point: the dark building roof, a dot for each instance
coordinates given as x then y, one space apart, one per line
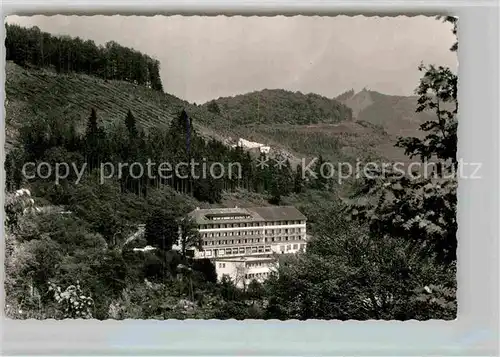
279 213
255 214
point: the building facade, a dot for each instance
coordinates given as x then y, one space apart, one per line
244 243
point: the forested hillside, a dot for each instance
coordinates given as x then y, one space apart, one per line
64 76
34 93
32 47
278 106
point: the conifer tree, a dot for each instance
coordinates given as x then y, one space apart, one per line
30 46
131 125
91 124
298 182
320 182
92 140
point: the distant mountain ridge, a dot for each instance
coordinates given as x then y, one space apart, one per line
395 114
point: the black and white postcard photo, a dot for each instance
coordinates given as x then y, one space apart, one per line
216 167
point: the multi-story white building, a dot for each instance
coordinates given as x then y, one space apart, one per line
244 243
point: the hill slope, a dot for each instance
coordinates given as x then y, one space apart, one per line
395 114
278 106
312 125
34 93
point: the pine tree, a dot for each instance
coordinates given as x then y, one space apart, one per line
298 183
92 141
320 182
92 124
131 125
281 182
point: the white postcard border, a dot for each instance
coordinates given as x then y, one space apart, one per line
475 332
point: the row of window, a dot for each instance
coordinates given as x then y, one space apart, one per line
285 239
257 275
233 241
284 230
248 265
251 240
289 247
256 264
282 223
249 224
226 234
253 233
225 218
235 251
250 250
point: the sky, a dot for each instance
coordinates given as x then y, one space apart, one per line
203 58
